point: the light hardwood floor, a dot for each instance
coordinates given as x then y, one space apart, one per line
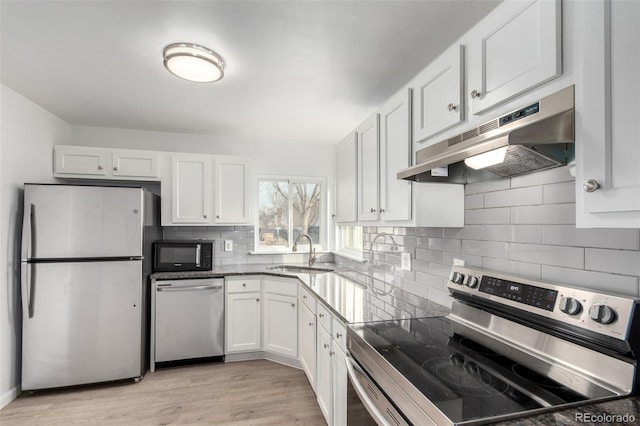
240 393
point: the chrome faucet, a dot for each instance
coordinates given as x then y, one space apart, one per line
312 251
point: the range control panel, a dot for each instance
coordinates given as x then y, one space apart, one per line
604 313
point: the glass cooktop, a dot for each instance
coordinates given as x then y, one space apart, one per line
464 379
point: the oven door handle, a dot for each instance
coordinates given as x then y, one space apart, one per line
352 367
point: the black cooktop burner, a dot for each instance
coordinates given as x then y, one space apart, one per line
464 379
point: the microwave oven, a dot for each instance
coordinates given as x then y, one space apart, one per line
184 255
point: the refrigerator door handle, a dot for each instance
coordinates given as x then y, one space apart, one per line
26 289
28 233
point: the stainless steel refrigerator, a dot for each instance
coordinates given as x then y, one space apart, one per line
84 270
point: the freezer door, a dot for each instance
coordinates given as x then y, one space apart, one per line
84 323
64 222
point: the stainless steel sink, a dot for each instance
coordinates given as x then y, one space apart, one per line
300 269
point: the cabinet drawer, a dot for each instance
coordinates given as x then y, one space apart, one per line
324 317
339 333
241 284
287 287
308 299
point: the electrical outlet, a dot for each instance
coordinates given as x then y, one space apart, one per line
405 261
228 245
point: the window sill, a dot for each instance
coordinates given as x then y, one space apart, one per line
350 255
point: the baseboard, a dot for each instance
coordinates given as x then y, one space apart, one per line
249 356
9 396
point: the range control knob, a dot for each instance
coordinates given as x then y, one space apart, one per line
471 281
457 278
602 314
570 306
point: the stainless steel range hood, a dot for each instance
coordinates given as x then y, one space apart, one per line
536 137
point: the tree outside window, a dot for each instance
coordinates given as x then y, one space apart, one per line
288 208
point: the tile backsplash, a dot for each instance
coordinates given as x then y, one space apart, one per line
523 226
243 244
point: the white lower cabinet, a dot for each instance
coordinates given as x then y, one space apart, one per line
331 377
280 324
307 343
243 308
323 382
261 315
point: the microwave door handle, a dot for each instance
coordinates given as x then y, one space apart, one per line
197 255
359 388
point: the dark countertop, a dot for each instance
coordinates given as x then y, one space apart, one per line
348 298
352 300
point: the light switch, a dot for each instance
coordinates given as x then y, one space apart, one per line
228 245
405 261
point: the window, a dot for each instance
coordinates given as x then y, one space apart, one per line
349 241
288 207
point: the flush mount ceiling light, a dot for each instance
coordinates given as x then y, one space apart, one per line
193 62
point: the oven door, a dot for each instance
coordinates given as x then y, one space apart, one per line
366 403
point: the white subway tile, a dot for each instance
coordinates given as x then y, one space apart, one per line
558 174
568 235
514 197
523 269
444 244
415 288
429 232
442 271
598 281
624 262
486 186
469 232
486 248
430 255
556 193
441 297
430 281
556 214
570 257
487 216
514 233
474 201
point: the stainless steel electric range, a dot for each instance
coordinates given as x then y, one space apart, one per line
511 347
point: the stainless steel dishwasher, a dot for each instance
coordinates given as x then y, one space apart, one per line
188 319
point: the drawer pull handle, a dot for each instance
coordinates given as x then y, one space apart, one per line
326 346
338 335
293 305
257 300
331 353
244 284
321 315
310 324
304 297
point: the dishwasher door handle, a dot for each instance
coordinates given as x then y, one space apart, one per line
191 288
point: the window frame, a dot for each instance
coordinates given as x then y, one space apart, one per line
349 252
303 246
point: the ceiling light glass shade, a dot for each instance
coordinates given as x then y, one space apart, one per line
486 159
193 62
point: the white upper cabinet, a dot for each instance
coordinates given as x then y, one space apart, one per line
608 89
438 95
191 189
232 191
368 169
513 51
346 177
85 162
127 163
395 155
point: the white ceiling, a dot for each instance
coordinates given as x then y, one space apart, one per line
296 71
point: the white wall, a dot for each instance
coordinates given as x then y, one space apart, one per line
27 135
286 159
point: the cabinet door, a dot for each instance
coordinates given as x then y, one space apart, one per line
232 191
395 154
79 160
346 180
519 48
134 164
368 169
339 385
610 150
191 189
438 102
280 324
307 343
323 376
243 322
